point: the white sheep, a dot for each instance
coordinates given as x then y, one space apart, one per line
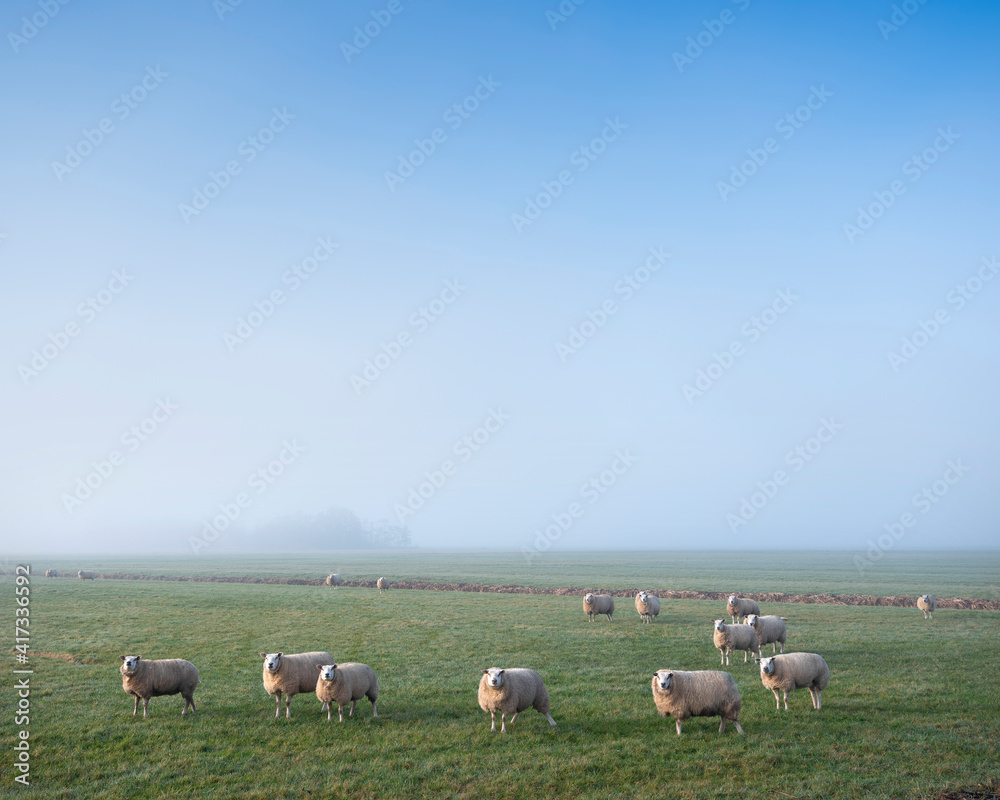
86 575
595 604
383 585
770 630
791 671
738 607
343 684
648 606
704 693
290 675
51 573
927 603
735 637
334 579
511 691
144 679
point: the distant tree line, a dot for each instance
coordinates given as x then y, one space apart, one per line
333 529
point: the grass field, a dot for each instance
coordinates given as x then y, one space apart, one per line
911 709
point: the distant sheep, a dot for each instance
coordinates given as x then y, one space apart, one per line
290 675
343 684
86 575
741 606
927 603
144 679
792 671
511 691
595 604
334 579
648 606
704 693
770 630
51 573
735 637
383 585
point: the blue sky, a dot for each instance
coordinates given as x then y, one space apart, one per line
822 184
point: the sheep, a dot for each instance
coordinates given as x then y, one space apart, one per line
383 585
770 630
343 684
735 637
703 693
927 603
741 606
648 606
511 691
595 604
291 674
51 573
792 671
144 679
334 579
86 575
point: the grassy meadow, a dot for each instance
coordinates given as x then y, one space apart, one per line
912 707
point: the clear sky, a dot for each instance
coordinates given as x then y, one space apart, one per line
712 274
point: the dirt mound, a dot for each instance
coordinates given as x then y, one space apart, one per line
982 791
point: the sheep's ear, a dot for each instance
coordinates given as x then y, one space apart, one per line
502 671
280 654
334 666
138 657
486 672
319 667
263 655
123 658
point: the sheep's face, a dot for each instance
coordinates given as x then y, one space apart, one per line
752 620
720 625
328 672
494 677
664 679
732 599
643 597
272 661
130 664
767 666
588 599
926 598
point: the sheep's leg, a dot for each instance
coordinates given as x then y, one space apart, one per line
746 656
493 720
503 722
552 722
277 705
340 712
786 700
136 709
353 703
288 706
817 698
722 725
329 712
739 728
514 717
722 657
777 699
679 723
145 708
374 710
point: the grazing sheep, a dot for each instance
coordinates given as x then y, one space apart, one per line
792 671
648 606
86 575
51 573
343 684
291 674
770 630
146 679
927 603
741 606
383 585
334 579
511 691
704 693
594 604
735 637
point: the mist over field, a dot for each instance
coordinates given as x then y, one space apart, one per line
544 279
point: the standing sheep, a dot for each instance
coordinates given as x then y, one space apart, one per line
704 693
741 606
343 684
383 585
927 603
511 691
51 573
770 630
86 575
648 606
735 637
146 679
334 579
291 674
595 604
791 671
